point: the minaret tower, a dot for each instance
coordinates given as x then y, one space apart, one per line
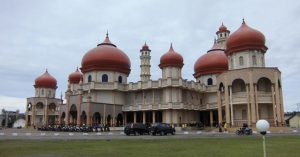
222 35
145 63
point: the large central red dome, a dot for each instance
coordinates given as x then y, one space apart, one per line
213 62
245 38
106 57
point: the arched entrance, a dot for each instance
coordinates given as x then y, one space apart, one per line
83 118
62 118
108 120
120 119
73 113
96 118
159 116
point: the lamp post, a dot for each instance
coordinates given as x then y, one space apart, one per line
263 126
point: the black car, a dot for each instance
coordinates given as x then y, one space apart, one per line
162 129
136 129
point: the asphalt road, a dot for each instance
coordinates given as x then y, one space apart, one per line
27 134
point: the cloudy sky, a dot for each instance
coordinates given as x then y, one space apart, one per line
55 34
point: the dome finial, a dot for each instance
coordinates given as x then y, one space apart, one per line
244 21
107 41
171 47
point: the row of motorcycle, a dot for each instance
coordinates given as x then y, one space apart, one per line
75 128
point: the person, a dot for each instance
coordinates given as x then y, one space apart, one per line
220 127
225 127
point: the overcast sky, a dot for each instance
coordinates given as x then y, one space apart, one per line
55 34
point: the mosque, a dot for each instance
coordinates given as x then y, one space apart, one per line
232 85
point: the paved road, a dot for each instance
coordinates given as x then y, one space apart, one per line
29 134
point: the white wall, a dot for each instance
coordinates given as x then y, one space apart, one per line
45 92
112 76
234 61
203 79
171 72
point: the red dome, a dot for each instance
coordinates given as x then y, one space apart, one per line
145 47
171 59
107 57
245 38
75 77
213 62
45 81
222 28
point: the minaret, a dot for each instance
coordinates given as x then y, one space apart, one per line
145 63
222 35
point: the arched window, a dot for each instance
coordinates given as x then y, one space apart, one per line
238 85
210 81
231 61
254 62
241 60
42 91
90 78
104 78
120 79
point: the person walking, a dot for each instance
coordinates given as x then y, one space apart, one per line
225 127
220 126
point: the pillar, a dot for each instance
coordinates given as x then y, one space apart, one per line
33 115
273 106
153 116
144 117
256 102
219 102
253 110
79 110
46 113
248 106
231 106
281 105
211 118
104 114
88 112
68 111
227 110
278 107
125 118
134 117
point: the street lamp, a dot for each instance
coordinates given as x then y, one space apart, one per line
263 126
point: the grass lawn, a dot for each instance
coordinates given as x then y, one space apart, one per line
205 147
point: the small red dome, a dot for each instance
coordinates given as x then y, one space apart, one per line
171 59
222 28
45 81
107 57
75 77
245 38
213 62
145 48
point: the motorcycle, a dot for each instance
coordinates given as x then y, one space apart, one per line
244 130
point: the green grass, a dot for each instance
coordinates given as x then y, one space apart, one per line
205 147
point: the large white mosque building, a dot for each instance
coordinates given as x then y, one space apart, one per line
232 85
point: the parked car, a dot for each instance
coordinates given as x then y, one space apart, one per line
162 129
136 129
